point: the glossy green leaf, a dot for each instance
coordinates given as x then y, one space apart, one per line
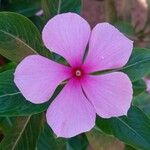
24 134
133 129
54 7
39 22
49 141
69 6
6 123
19 37
128 147
24 7
139 86
8 66
125 28
138 65
12 103
48 8
79 142
143 102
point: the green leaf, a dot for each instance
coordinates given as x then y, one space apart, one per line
65 6
54 7
24 7
6 123
12 103
79 142
19 37
138 87
101 141
39 22
138 65
49 141
8 66
133 129
24 134
47 7
125 27
128 147
143 102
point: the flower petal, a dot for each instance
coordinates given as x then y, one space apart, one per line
71 113
108 48
110 94
67 35
37 77
147 81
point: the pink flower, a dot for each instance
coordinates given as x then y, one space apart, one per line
74 109
147 81
39 13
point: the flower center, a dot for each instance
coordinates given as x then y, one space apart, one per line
78 73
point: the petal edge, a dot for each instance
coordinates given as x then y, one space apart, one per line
37 77
71 113
67 35
108 48
112 94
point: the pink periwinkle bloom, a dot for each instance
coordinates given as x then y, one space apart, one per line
147 81
39 13
74 110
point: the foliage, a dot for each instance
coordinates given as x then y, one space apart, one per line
22 124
